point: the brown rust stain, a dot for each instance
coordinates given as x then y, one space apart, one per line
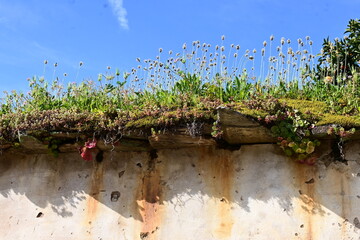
309 205
218 173
150 200
92 203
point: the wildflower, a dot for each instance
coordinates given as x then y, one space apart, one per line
223 37
126 75
108 67
184 46
271 37
45 62
55 64
328 79
160 50
81 63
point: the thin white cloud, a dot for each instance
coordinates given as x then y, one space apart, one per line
120 12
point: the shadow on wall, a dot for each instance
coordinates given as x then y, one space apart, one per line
255 181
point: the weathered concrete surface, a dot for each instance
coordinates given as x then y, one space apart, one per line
193 193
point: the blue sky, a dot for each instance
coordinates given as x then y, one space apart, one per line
114 33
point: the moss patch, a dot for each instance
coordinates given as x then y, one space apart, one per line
315 107
145 122
254 113
345 121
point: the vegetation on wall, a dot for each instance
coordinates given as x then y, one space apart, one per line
291 93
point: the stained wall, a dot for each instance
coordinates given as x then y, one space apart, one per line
202 193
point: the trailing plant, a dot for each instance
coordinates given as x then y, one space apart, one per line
290 127
216 130
340 131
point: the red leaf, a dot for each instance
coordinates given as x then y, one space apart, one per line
86 154
90 144
311 161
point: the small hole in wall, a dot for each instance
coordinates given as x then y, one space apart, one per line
115 196
144 235
39 215
100 156
121 174
139 165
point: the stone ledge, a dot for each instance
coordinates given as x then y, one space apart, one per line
172 141
237 129
228 117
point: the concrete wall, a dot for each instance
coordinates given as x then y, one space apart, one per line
199 193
